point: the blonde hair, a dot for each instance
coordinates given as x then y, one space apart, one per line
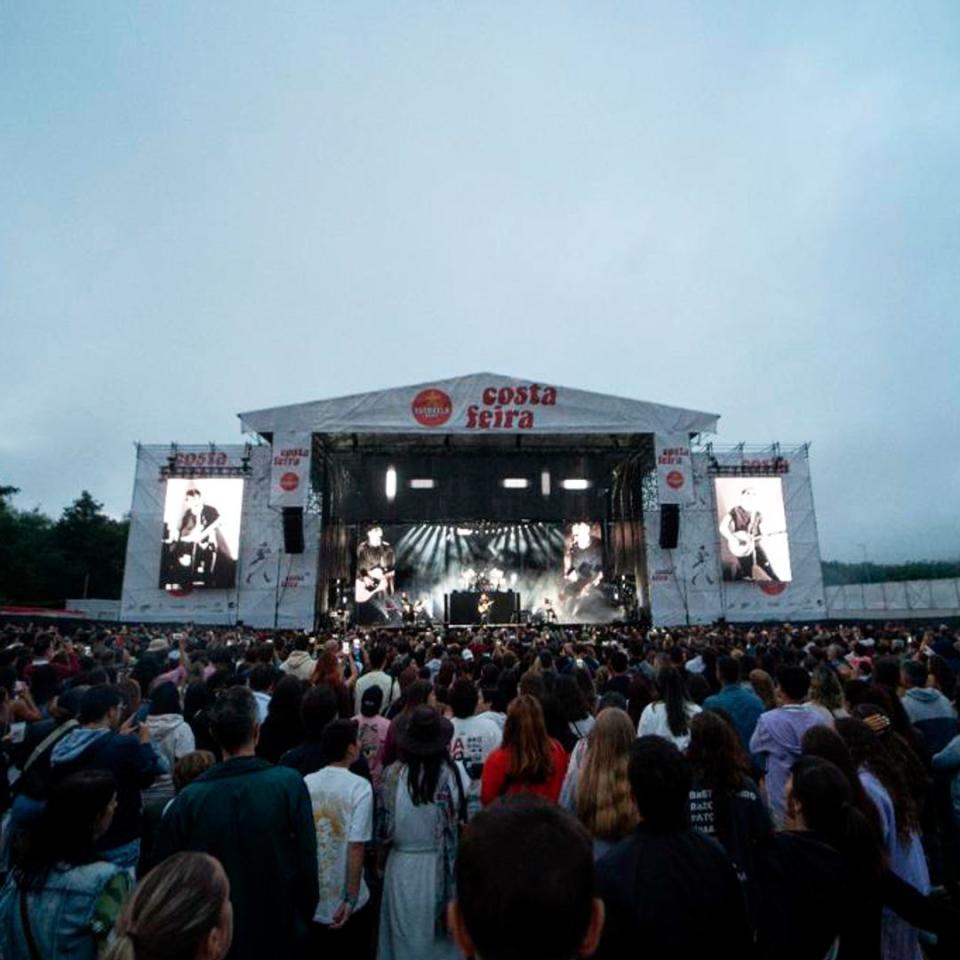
172 910
604 801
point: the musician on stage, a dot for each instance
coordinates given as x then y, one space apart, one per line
741 527
199 552
484 606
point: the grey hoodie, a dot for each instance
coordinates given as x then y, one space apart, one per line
926 703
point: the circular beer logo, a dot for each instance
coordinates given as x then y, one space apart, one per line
674 479
183 591
771 587
289 482
431 407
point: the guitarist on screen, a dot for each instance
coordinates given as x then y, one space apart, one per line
741 528
375 567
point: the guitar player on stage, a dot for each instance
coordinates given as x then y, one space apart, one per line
741 528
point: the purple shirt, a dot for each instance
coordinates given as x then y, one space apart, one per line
777 737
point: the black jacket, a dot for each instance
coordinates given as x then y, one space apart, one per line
671 894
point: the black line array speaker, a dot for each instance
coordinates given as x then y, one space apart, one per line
293 529
669 525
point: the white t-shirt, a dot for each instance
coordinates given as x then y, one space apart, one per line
342 814
388 684
474 739
653 720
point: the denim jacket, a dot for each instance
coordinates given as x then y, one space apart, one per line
61 914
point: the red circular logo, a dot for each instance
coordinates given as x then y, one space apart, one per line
289 482
183 591
771 587
674 479
431 407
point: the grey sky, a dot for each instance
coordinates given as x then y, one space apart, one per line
751 208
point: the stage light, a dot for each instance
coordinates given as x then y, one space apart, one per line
424 483
545 483
575 483
391 483
515 483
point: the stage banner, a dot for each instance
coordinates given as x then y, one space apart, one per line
674 470
290 470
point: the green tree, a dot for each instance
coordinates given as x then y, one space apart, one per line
93 547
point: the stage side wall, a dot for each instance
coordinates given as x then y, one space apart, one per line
272 587
687 585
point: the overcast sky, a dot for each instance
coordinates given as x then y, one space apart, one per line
748 208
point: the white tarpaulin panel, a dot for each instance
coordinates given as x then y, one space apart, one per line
480 403
777 575
290 469
268 587
674 469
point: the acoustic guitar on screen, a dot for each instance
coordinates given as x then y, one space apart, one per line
743 543
370 583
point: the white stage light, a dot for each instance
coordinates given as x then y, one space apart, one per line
575 483
545 483
515 483
391 483
424 483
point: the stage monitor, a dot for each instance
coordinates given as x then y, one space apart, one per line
201 533
751 520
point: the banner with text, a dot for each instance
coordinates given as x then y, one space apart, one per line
674 471
290 470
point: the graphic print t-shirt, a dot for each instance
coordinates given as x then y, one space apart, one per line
474 739
342 814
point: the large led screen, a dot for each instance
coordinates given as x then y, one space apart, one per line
201 533
752 524
545 572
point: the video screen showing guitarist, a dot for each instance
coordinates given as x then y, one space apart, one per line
581 590
376 563
742 529
196 553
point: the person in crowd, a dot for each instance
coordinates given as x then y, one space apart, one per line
931 713
574 707
474 738
343 815
492 706
724 801
197 700
372 727
256 819
762 685
779 732
62 897
95 744
415 694
826 694
422 803
262 679
602 799
330 671
283 728
520 859
170 734
886 783
378 677
299 663
575 762
63 662
528 760
818 879
742 705
670 714
181 910
668 890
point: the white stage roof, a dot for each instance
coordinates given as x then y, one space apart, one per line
480 403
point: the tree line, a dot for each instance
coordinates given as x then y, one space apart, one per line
45 561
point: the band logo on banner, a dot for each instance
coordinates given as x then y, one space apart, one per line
290 470
674 469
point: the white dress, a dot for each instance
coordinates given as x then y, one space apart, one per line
407 921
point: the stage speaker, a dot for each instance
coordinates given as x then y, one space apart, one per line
669 525
293 529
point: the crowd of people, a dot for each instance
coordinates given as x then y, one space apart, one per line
552 792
